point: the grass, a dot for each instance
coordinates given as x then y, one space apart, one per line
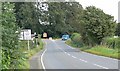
33 51
103 51
29 53
69 42
98 50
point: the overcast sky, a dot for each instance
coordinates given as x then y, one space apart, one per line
108 6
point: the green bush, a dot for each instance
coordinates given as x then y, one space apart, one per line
76 39
112 42
11 55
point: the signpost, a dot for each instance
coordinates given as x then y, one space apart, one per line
26 35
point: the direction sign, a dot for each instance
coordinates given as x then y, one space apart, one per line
25 34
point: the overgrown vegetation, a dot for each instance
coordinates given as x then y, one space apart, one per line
111 42
118 29
109 47
11 56
29 53
76 39
104 51
14 52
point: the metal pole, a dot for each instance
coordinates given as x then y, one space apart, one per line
28 45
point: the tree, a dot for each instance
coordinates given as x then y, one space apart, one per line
11 54
97 25
0 37
73 16
27 15
118 29
64 17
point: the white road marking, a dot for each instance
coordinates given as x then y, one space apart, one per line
101 66
70 47
42 59
68 54
74 57
83 60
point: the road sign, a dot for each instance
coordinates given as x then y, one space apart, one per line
25 34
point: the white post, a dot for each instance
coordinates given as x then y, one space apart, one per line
28 45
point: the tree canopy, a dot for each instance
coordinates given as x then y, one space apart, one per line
98 24
57 18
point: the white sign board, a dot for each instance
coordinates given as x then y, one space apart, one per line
25 34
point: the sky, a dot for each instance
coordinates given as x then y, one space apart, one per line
108 6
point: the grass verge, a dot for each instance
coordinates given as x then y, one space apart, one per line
69 42
103 51
98 50
29 53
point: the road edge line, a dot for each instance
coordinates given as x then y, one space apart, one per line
41 58
43 66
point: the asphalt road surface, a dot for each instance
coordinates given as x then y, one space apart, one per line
58 55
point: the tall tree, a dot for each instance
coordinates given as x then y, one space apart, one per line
73 16
28 16
64 17
118 29
10 50
98 24
0 36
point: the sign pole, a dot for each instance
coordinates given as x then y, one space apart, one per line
26 35
28 45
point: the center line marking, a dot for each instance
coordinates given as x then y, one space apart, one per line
101 66
68 54
73 56
77 58
83 60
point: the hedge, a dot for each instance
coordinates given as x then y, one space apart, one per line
111 42
76 39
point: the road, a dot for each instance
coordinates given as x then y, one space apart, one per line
58 55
